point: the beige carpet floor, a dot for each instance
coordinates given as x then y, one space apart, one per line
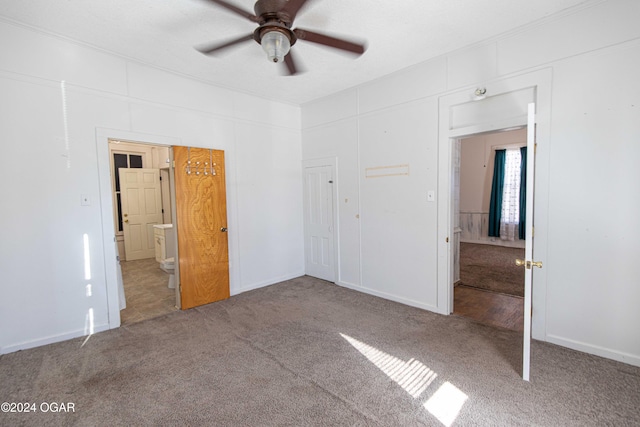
309 353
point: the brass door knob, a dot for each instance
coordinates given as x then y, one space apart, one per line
528 264
126 220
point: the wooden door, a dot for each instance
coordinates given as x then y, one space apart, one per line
201 225
318 215
141 209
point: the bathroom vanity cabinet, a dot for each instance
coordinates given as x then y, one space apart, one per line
164 241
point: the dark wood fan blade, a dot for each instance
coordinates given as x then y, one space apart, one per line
209 49
290 63
325 40
292 7
239 11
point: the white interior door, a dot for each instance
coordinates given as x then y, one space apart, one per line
318 212
528 262
141 209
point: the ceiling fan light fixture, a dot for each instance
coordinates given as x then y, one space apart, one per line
276 45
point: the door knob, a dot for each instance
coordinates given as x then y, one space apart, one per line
126 215
126 220
223 229
528 264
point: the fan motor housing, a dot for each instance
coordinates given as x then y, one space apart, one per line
269 10
273 19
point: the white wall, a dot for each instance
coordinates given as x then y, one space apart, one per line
587 297
594 288
58 101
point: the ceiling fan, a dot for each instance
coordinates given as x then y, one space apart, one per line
274 33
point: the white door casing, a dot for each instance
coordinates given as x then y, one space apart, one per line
141 208
319 222
505 107
103 136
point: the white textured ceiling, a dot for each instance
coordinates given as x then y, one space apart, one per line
398 33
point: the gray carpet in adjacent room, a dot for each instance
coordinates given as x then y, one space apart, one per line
492 268
304 353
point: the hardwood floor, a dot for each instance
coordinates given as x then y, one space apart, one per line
489 308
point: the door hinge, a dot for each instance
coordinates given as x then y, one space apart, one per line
173 164
447 240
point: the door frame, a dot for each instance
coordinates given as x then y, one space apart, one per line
103 136
452 127
333 163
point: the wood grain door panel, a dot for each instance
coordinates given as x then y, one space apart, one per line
201 216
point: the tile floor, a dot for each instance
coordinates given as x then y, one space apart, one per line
146 291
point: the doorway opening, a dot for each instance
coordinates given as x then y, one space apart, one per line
488 286
142 190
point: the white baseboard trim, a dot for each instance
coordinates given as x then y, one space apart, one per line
51 339
607 353
269 282
391 297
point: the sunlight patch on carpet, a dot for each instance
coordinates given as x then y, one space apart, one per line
412 375
446 403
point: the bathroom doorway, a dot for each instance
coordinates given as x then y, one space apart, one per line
141 194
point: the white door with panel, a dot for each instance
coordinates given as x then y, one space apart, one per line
141 209
528 262
318 215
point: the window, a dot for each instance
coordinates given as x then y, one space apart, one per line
510 217
508 194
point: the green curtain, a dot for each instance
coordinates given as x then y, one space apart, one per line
523 193
495 204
